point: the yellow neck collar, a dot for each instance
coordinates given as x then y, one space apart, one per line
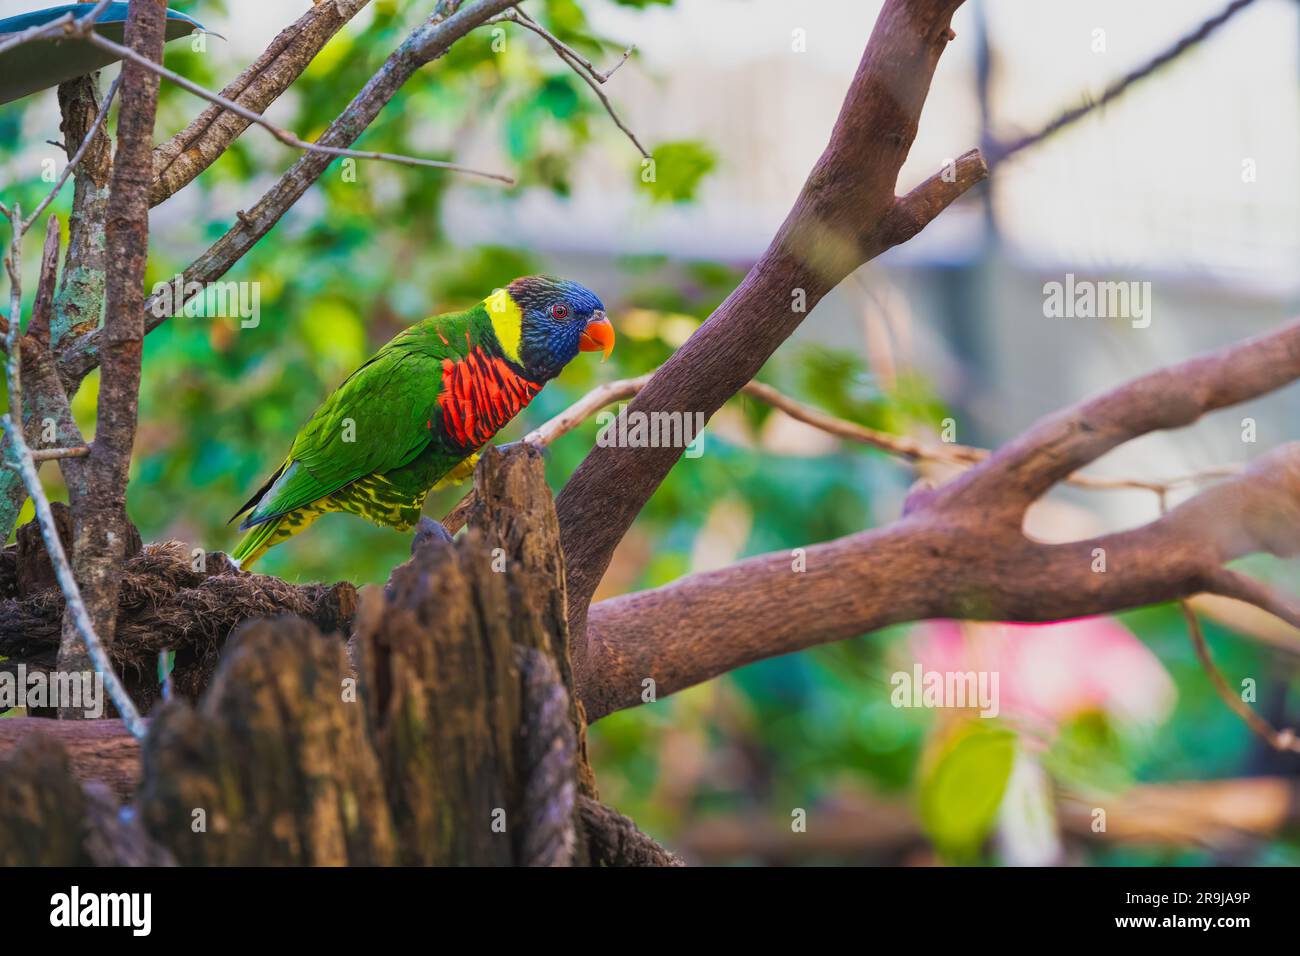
507 322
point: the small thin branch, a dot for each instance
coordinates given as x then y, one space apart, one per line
283 135
52 454
577 413
609 108
81 151
906 447
519 16
1284 740
580 65
563 423
900 445
998 151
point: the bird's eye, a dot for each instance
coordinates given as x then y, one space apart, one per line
559 311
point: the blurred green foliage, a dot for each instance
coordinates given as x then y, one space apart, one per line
358 260
679 168
961 791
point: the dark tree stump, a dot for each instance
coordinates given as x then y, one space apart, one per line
48 818
450 736
472 636
273 767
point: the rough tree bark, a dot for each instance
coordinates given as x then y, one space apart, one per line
959 550
99 505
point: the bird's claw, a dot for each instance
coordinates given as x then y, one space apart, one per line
427 532
510 446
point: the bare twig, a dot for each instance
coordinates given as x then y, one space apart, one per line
902 446
583 67
52 454
283 135
1284 740
998 151
519 16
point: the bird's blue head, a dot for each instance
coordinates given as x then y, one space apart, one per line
557 319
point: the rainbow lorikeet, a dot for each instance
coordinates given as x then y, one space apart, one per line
416 414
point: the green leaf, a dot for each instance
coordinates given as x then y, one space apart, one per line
677 170
961 792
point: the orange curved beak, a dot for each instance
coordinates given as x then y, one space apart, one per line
598 336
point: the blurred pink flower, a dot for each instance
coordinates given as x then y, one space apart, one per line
1052 672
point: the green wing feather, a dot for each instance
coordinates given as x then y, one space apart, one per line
388 406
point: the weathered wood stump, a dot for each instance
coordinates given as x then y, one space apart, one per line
446 732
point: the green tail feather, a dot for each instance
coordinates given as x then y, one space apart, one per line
262 537
256 543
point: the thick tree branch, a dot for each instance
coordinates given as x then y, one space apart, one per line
99 505
1024 469
959 551
80 300
846 213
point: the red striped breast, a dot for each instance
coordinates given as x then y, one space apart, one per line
480 393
